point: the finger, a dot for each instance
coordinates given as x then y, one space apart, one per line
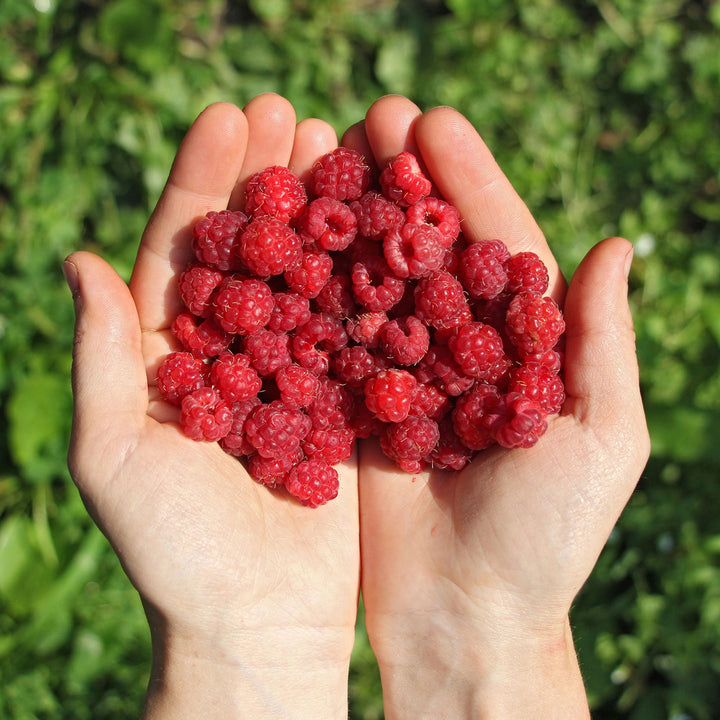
313 138
389 124
356 139
202 177
109 381
271 127
466 174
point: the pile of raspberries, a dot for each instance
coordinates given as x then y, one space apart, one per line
350 307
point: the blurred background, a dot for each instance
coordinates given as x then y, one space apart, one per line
605 114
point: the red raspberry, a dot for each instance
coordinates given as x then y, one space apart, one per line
365 423
469 414
539 383
273 471
365 328
433 212
179 374
297 385
478 350
375 286
312 343
268 351
354 365
414 251
196 284
526 271
235 442
389 394
402 180
516 422
482 268
333 444
204 415
313 482
203 340
533 323
242 306
289 311
311 274
336 297
551 359
269 247
214 238
405 340
233 377
328 223
341 174
429 401
410 442
275 191
333 405
445 371
376 215
275 429
450 453
440 301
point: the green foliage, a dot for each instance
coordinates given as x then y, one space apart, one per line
605 117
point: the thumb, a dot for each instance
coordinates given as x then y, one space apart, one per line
109 379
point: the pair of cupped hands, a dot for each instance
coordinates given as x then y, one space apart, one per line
467 578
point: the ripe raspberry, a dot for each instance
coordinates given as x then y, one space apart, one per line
551 359
374 284
297 385
269 247
450 453
389 394
354 365
429 401
405 340
333 444
469 414
313 342
242 306
214 237
402 180
444 371
336 297
267 351
203 340
196 284
333 405
482 268
179 374
516 422
275 429
433 212
365 328
414 251
341 174
311 274
539 383
479 351
440 301
273 471
289 311
533 323
365 423
410 442
204 415
233 377
327 223
526 272
235 443
275 191
376 215
313 482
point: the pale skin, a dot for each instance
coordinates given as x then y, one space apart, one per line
467 577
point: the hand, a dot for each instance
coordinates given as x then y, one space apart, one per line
251 598
468 577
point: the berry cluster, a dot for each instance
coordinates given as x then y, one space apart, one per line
351 308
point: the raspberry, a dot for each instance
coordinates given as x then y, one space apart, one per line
333 405
389 394
365 423
354 365
551 359
516 422
365 328
204 415
403 181
275 429
313 482
242 306
429 401
341 174
526 272
333 444
410 442
273 471
534 323
275 191
214 238
405 340
445 371
311 274
440 301
268 351
450 453
203 340
328 223
336 297
315 340
297 385
469 414
539 383
233 377
289 311
269 246
196 284
179 374
433 212
235 442
375 286
414 251
482 268
376 215
478 350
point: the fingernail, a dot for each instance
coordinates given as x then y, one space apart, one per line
628 262
70 272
